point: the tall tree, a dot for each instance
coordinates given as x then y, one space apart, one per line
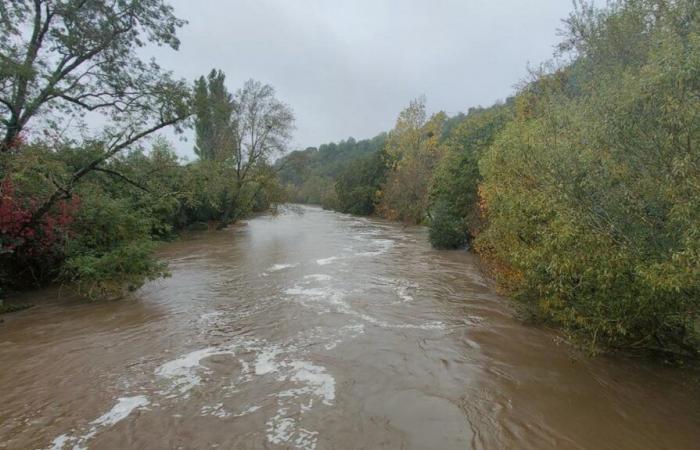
214 107
262 127
413 148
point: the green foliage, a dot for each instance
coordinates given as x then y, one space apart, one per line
413 148
309 175
358 185
236 137
115 231
454 193
447 228
213 108
122 209
71 56
592 191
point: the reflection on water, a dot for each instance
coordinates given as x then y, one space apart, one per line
312 329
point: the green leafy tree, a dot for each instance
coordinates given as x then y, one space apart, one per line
262 127
213 108
413 149
309 174
74 57
454 194
357 187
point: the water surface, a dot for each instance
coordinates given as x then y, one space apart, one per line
311 329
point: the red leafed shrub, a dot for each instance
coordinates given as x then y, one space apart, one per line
31 240
17 143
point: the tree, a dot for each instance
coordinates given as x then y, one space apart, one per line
262 127
357 186
413 148
213 108
75 57
454 192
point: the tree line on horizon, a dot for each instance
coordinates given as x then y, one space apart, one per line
581 193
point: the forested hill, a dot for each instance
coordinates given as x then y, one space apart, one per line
309 174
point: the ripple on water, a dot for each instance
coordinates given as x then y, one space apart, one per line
326 297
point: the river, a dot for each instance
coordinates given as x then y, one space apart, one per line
311 329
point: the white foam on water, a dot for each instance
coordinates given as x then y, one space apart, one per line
248 410
209 317
209 320
401 287
315 379
305 439
123 408
368 233
402 293
333 297
60 442
265 361
380 246
318 277
246 374
282 430
182 371
278 267
312 382
326 261
215 410
345 332
435 325
319 298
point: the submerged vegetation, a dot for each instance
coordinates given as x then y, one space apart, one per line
581 192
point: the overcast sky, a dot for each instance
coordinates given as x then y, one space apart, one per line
348 67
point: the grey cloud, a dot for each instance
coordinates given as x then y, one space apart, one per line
348 67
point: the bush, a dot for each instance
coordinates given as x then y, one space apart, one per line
592 192
447 230
111 247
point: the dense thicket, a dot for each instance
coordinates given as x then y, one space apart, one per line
591 192
454 200
358 186
101 239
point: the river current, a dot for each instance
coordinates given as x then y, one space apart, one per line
310 329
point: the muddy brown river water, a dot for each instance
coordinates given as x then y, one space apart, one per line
311 329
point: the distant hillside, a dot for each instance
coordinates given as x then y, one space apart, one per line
308 173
